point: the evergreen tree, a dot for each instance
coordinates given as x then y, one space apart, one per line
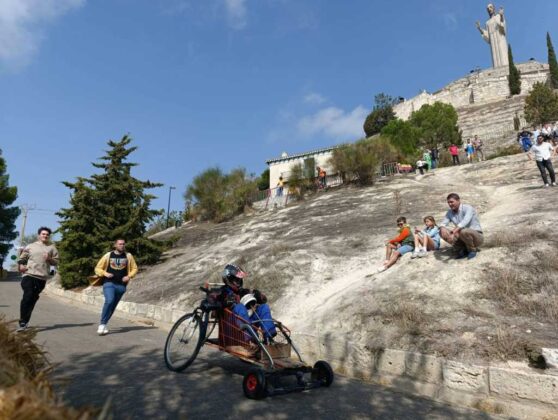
381 114
107 206
541 105
514 78
552 64
436 125
8 215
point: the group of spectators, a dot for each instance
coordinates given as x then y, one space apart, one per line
465 236
473 148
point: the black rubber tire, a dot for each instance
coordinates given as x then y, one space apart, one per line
254 384
196 336
322 372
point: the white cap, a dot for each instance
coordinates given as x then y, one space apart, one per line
246 299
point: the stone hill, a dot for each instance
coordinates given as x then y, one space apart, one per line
316 261
483 102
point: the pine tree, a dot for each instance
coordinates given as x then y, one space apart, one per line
8 215
552 64
105 207
514 79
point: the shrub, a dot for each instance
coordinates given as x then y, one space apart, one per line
217 197
298 181
360 162
541 105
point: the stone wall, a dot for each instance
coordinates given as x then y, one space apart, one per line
478 88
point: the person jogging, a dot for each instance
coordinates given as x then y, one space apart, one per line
116 268
34 263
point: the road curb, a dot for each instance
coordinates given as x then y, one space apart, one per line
510 389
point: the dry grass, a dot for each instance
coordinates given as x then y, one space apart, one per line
409 317
25 392
516 238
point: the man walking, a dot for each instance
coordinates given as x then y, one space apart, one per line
543 152
34 263
467 235
116 268
478 145
454 151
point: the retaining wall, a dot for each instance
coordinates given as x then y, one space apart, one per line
511 389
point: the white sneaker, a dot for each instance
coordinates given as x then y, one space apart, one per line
415 254
422 253
101 330
105 330
381 269
553 184
22 327
545 185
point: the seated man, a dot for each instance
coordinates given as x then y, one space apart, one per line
233 293
467 235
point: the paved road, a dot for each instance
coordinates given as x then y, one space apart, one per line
127 366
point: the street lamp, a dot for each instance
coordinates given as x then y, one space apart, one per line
168 206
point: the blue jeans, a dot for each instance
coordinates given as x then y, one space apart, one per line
113 293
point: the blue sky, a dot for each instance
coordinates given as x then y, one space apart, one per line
199 83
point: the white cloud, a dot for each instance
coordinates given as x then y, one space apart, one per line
21 22
236 13
314 99
334 123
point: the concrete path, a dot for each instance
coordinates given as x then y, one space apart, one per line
127 366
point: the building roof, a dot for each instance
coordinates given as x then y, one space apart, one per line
301 155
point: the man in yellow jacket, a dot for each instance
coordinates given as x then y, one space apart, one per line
117 268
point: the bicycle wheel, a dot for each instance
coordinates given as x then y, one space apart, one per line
184 342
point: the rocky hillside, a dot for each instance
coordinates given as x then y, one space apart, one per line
317 260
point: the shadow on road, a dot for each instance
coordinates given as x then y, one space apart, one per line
123 330
59 326
140 386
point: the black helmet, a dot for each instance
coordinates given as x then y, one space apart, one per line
233 276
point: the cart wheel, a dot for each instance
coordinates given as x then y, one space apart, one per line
254 385
323 373
184 342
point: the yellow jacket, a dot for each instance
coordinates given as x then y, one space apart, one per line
102 265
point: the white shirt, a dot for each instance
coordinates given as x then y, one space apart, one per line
542 151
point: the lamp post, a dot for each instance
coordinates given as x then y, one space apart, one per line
168 206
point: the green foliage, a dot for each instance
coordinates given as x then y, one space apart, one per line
512 149
382 113
299 181
403 135
216 196
514 78
8 213
109 205
263 180
541 105
436 125
359 162
552 64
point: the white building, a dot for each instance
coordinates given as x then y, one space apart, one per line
310 160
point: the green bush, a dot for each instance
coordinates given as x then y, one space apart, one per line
359 162
216 196
299 183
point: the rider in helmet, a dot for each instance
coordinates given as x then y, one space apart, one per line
250 305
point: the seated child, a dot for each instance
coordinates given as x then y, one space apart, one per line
427 239
398 246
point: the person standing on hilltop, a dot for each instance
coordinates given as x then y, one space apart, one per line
467 235
116 268
34 263
478 145
544 152
454 152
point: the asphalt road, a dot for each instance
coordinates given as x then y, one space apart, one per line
127 367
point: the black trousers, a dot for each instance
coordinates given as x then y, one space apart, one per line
545 165
455 159
32 288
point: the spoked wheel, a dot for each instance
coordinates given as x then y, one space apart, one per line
184 342
254 385
323 373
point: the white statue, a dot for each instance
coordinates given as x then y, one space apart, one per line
495 35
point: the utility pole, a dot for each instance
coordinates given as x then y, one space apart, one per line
168 206
24 211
